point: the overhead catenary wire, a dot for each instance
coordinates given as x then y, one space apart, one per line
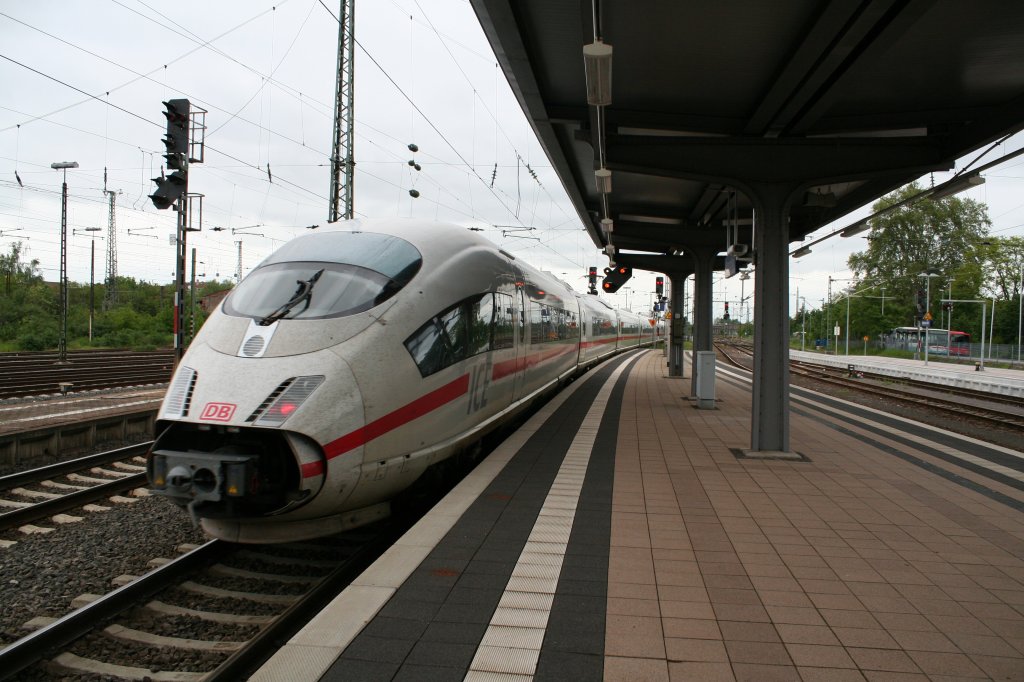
418 110
255 165
254 170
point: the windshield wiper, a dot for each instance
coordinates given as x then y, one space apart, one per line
304 293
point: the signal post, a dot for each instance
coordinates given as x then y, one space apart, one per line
183 149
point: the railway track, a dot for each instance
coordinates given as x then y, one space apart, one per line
29 374
962 402
215 613
42 493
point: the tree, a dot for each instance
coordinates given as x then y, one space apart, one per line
945 237
1000 264
29 310
1003 259
14 271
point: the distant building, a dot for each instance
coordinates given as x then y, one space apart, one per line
209 302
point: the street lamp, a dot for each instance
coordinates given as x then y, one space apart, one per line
927 310
803 323
839 279
62 345
1020 308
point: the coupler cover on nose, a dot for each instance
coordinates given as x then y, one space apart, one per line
200 477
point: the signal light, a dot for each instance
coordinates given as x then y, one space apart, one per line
659 285
177 137
170 188
726 315
615 278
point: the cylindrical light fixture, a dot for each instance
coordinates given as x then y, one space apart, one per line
603 178
855 229
608 224
597 62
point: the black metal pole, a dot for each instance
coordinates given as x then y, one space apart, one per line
179 293
62 344
92 284
192 301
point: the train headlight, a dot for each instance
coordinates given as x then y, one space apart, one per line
158 471
286 399
237 476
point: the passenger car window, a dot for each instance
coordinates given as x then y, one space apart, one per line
480 324
429 349
463 330
453 322
504 322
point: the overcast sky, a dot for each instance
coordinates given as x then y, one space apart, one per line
84 80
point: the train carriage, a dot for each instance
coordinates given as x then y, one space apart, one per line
351 361
939 341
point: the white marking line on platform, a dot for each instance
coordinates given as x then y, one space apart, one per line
85 410
515 649
954 452
941 447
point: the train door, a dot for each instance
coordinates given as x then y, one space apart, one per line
522 342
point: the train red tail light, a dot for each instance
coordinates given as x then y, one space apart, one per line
286 399
281 410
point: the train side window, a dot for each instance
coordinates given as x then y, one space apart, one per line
522 317
480 323
457 333
453 322
562 324
429 348
504 322
538 323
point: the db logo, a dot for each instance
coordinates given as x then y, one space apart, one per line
220 412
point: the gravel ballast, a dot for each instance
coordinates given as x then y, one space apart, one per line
42 573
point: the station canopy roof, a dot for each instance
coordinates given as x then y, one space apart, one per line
838 102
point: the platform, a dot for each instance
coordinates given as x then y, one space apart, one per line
621 535
1000 380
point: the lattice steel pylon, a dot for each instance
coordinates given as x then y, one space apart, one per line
111 298
342 156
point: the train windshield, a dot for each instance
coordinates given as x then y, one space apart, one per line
325 275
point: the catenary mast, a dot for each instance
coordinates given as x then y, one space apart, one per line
110 298
342 156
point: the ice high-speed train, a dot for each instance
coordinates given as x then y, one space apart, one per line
350 361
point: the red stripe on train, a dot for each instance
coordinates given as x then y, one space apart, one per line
428 403
509 367
423 405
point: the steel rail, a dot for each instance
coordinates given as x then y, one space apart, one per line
34 647
73 500
245 661
822 374
85 384
72 465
